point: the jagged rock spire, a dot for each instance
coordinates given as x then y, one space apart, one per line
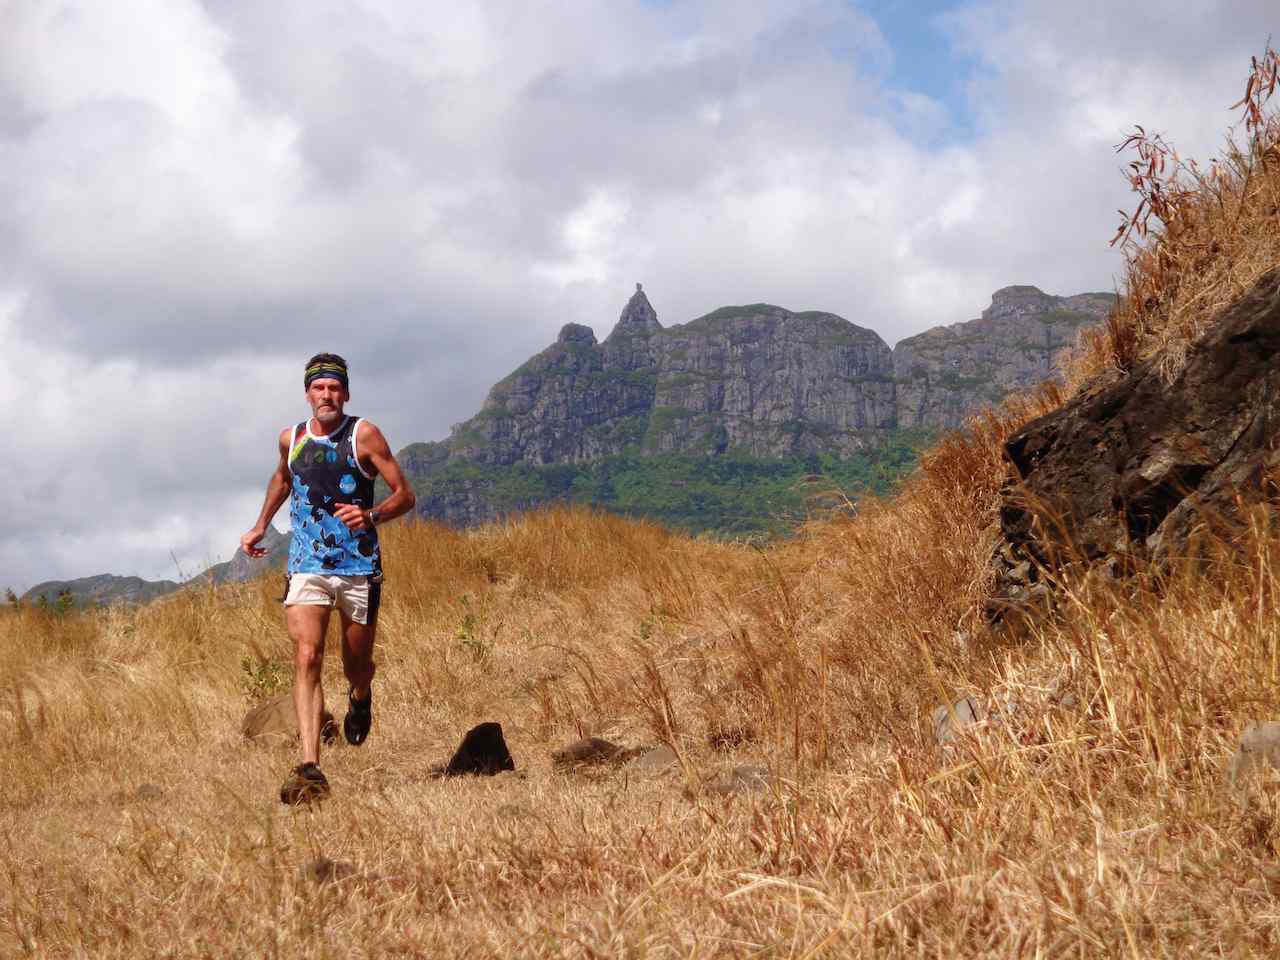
638 315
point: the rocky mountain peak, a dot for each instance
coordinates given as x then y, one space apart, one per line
1017 301
577 333
637 316
753 380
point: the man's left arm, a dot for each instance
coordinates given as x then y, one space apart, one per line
374 447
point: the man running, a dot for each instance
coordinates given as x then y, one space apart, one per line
328 464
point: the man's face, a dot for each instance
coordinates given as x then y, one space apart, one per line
327 398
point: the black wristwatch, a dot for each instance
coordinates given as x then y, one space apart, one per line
374 517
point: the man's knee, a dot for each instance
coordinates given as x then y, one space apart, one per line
308 656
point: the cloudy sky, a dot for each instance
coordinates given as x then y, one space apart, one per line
197 196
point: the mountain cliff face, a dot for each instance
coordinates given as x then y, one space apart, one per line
758 380
946 373
749 381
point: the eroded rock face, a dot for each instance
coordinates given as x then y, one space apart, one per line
946 373
1122 473
755 380
758 379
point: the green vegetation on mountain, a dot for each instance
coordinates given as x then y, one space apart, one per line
734 494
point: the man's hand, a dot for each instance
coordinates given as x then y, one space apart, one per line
249 542
277 493
356 518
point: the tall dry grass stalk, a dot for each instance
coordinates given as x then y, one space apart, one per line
1197 239
1086 818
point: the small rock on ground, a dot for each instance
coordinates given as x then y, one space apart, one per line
1259 750
655 761
588 751
324 870
741 779
949 722
275 720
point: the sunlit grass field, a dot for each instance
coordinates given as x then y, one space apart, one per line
137 821
1093 821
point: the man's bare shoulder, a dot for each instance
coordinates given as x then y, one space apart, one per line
371 438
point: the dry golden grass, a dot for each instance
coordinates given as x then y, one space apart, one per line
1087 831
1216 232
136 821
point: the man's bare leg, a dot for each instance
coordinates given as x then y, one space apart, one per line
357 655
357 663
307 624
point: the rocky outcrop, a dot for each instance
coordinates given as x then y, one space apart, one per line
946 373
755 380
1125 472
768 382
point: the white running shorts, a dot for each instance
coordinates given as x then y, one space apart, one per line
356 596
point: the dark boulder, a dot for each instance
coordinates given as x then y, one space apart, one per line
483 751
1125 473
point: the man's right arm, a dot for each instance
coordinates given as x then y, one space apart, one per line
277 492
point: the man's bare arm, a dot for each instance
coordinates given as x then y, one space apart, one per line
374 447
277 492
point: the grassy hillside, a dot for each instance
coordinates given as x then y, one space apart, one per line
1093 823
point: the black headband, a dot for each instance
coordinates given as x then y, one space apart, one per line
326 369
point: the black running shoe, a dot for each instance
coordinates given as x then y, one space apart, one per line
305 783
355 725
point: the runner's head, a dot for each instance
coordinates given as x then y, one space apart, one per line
326 383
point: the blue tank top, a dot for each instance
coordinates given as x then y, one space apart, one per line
326 472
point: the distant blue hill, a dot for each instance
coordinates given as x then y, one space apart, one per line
107 588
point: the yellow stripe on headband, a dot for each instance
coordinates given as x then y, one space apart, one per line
319 370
